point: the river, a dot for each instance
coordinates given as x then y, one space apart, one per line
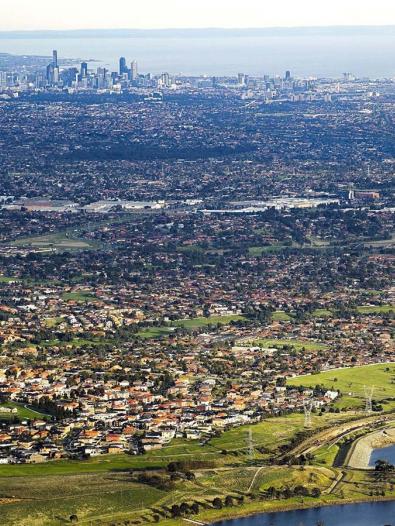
366 514
384 453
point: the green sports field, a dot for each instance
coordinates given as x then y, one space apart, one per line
192 323
298 345
22 412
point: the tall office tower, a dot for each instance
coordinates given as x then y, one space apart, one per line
133 71
3 80
241 79
287 76
101 78
84 70
39 81
55 58
122 66
56 75
165 80
50 74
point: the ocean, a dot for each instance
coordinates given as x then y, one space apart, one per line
305 55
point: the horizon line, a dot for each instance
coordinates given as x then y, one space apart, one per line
202 28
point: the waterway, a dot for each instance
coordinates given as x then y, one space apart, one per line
383 453
365 514
323 56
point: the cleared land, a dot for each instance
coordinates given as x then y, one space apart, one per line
351 382
298 345
58 241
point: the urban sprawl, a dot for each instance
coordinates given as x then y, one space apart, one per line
174 249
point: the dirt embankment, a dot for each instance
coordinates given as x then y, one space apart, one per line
362 450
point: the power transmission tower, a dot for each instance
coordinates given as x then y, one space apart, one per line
369 390
307 406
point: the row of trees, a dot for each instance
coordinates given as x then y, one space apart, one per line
179 510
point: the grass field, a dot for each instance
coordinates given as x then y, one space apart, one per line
298 345
280 315
22 412
114 498
51 323
154 332
193 323
290 477
101 491
376 309
272 432
59 241
203 322
351 381
326 454
7 279
54 499
322 313
258 251
79 297
177 450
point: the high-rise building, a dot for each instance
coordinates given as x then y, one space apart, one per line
133 71
84 70
55 58
122 66
165 80
102 78
56 75
50 74
3 80
287 76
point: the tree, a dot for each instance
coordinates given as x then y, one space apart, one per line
195 508
301 491
217 503
382 466
184 508
228 501
316 493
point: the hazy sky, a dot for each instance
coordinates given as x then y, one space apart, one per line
80 14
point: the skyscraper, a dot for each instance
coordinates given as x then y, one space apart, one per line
287 76
50 74
165 80
122 66
84 70
3 80
55 58
241 78
133 71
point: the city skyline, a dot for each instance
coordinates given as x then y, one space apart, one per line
176 14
